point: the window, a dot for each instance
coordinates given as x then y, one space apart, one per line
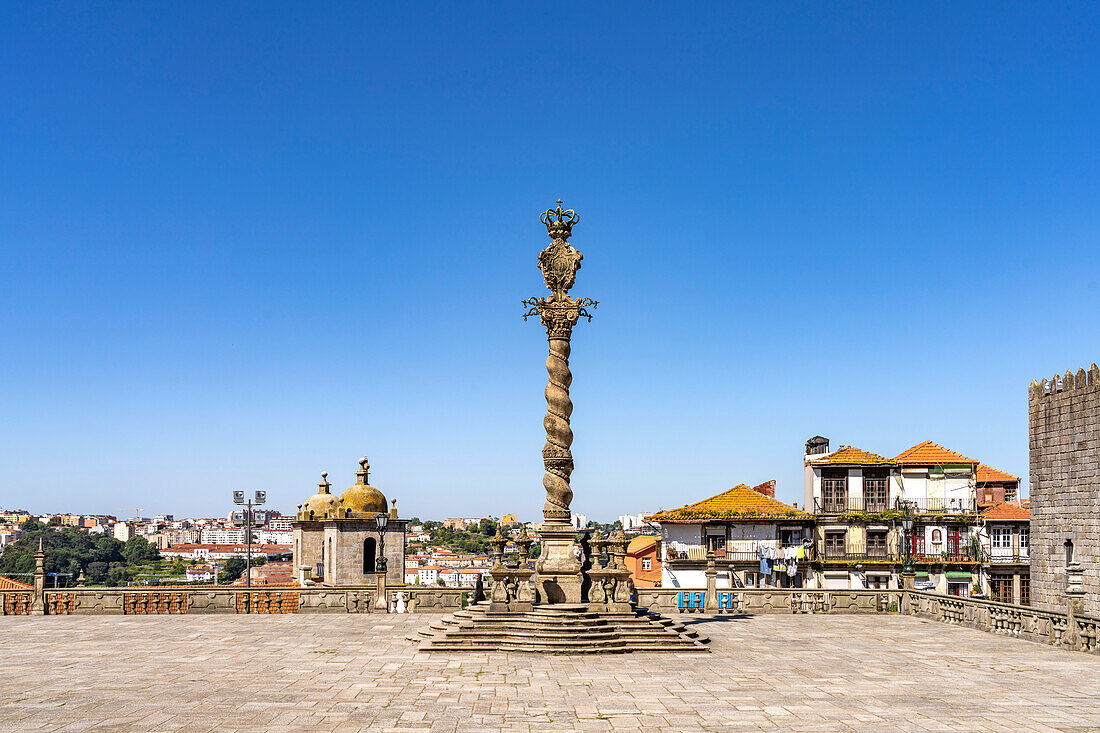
1001 538
834 545
916 541
834 489
1010 493
369 562
957 589
1001 588
876 543
1025 540
647 564
875 490
1025 590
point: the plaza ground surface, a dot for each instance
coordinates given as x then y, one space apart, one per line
357 672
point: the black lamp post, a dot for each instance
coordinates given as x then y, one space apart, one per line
907 521
381 601
380 562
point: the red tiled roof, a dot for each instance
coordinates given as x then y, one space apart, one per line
740 502
849 455
932 453
1005 510
988 473
9 584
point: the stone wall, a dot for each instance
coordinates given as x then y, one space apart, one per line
1064 446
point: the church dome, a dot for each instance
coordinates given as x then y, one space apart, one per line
362 499
321 505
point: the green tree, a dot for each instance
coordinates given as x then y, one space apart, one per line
138 551
232 569
96 573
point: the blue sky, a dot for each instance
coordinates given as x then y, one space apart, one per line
245 243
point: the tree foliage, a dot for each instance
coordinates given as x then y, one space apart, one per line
67 550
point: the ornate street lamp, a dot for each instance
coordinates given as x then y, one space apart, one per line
907 521
380 562
381 602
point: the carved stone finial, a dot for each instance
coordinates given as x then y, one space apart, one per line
323 485
363 474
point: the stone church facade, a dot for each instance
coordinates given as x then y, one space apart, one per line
336 537
1064 447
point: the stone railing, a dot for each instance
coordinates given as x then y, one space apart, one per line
751 601
229 599
1055 628
1024 622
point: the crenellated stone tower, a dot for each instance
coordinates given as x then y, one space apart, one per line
1064 448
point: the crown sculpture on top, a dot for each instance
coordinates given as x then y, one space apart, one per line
558 313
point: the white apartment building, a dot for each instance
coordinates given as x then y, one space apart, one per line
124 531
223 536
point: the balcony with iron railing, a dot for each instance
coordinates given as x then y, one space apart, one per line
894 508
859 553
1005 556
735 551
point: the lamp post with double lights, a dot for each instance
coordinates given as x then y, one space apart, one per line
259 498
381 603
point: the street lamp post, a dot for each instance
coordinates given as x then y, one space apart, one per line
381 603
907 521
238 498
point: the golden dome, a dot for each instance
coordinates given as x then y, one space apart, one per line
362 498
321 505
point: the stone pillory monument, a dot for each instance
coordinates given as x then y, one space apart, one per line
579 596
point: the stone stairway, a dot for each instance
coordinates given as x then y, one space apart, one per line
558 628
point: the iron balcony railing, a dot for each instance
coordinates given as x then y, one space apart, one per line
870 505
1005 557
873 553
739 552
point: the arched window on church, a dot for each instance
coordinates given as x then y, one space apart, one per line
368 555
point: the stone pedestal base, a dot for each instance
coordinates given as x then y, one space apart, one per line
609 591
381 600
511 590
559 579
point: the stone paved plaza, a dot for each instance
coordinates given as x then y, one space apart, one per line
357 672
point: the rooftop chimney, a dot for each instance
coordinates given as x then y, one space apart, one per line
767 489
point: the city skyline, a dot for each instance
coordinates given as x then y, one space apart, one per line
244 248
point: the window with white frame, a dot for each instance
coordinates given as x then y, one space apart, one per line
1025 539
1001 538
647 564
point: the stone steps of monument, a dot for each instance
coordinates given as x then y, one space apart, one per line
557 629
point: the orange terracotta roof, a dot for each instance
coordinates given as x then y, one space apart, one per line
932 453
740 502
9 584
988 473
641 543
1005 510
849 455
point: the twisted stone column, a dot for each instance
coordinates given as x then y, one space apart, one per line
558 569
557 459
558 314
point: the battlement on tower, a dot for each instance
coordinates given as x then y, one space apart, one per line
1063 383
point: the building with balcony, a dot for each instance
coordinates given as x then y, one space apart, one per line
858 499
1006 553
755 541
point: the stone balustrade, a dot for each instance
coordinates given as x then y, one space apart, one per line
1055 628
